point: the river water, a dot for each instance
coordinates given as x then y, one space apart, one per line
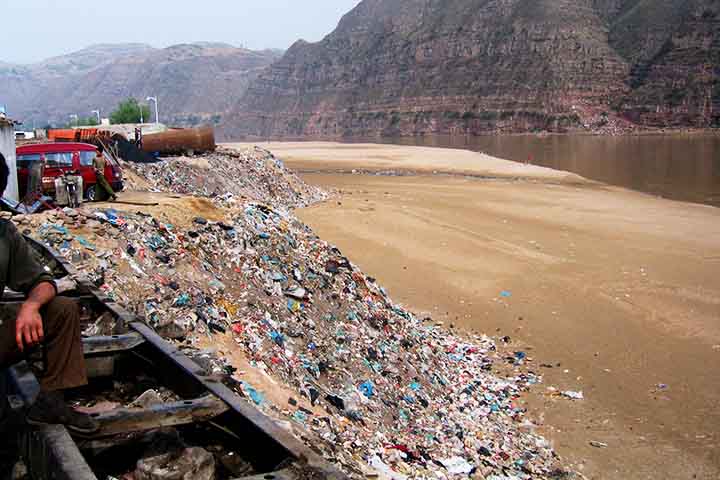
680 166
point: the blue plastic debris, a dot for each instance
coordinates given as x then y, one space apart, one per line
256 396
294 305
278 277
456 357
155 242
111 213
277 337
84 243
367 388
60 229
300 416
182 301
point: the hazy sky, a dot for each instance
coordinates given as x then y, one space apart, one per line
33 30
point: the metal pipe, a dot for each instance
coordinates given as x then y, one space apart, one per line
180 141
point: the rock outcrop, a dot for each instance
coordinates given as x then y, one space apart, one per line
409 67
680 85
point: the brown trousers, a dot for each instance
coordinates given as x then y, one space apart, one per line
102 187
63 359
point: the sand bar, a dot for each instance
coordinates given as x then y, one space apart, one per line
343 157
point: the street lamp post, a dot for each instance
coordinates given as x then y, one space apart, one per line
154 99
97 112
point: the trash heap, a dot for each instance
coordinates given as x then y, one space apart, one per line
253 174
389 394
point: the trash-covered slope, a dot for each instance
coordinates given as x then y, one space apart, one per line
374 388
253 174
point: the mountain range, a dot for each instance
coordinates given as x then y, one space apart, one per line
415 67
196 83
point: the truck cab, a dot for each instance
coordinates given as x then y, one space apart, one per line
58 158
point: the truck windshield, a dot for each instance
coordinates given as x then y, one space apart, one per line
86 158
24 161
58 159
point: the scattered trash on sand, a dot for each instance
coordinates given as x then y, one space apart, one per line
377 390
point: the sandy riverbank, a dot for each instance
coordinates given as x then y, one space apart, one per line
617 291
343 158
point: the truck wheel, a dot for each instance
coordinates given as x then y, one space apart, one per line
90 193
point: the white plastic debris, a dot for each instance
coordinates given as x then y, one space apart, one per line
457 465
573 395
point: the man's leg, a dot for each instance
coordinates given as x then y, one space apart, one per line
104 185
9 454
64 360
64 368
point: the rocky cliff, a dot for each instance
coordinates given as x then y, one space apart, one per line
680 84
196 83
407 67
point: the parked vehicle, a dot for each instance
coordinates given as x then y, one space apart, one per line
68 189
62 157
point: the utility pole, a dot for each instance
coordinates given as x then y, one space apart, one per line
154 99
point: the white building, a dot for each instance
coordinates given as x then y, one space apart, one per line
20 135
7 148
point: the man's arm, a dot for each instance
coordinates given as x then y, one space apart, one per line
26 275
28 326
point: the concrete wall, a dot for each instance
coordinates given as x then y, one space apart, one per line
7 148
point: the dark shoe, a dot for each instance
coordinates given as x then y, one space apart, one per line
9 454
50 409
9 426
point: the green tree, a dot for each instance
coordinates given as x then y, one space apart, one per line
130 111
80 122
87 121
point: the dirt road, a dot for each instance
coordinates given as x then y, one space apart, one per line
609 292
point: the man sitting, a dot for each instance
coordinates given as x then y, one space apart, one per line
45 321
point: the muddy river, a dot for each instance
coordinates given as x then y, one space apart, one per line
680 166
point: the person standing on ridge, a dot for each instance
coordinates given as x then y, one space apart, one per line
99 163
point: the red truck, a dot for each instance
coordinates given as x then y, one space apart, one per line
62 157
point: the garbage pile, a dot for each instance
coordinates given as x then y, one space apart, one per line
378 390
253 174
